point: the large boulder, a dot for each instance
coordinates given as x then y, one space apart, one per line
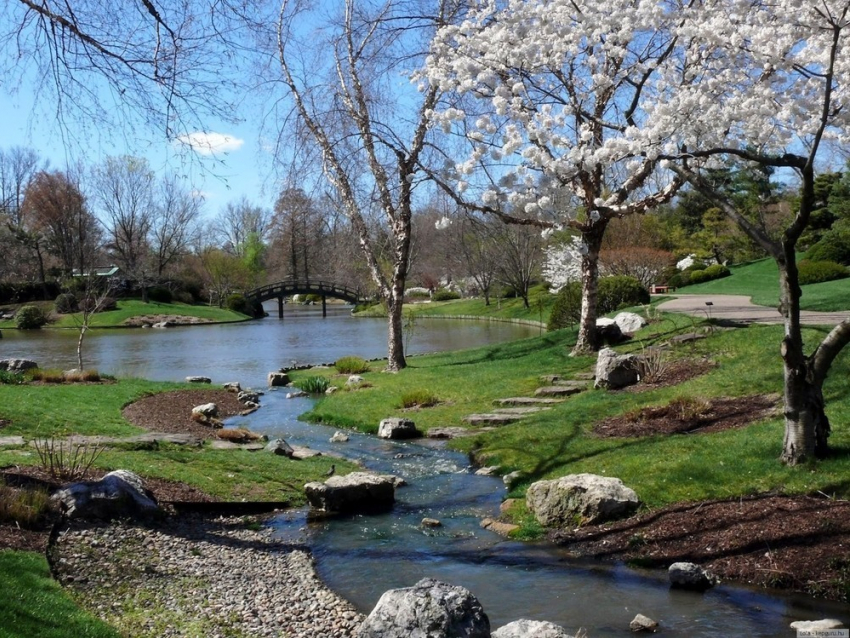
280 448
524 628
616 370
690 576
580 499
629 322
206 411
609 332
355 492
17 365
398 428
429 609
119 494
278 379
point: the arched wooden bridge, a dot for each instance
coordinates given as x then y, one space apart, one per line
302 286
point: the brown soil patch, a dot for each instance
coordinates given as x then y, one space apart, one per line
801 543
32 477
673 373
690 416
172 411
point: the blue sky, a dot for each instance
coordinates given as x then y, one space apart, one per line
227 163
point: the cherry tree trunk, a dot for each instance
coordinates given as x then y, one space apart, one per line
587 341
806 424
395 335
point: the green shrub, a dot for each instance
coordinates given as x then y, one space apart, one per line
677 281
109 303
444 294
833 246
314 385
717 271
30 318
65 303
418 399
11 378
237 303
566 310
620 291
615 292
351 365
160 294
815 272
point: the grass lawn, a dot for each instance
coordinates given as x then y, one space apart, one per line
36 606
128 308
760 279
51 410
662 469
540 302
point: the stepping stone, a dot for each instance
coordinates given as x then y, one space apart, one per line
550 378
527 401
520 411
491 419
558 391
687 338
569 383
11 441
218 444
300 452
584 376
450 433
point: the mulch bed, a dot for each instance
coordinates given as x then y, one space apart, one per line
673 373
801 543
688 416
172 411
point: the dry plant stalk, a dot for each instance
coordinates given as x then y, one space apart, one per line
653 365
66 461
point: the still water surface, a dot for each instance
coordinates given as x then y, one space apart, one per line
247 351
361 557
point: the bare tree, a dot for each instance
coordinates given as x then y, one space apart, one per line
109 66
521 254
97 292
56 209
239 221
124 192
173 224
359 128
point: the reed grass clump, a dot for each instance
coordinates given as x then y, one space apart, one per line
314 385
419 399
351 365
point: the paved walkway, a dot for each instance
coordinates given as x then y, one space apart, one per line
740 308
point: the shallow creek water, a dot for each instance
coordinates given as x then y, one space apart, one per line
360 557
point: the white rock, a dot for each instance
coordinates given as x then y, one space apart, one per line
580 498
817 625
524 628
207 410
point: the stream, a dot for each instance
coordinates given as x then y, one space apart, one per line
360 557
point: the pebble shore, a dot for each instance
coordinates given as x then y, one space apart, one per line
198 576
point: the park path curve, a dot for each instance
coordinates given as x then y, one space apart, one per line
741 308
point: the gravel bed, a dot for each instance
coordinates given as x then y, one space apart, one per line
196 576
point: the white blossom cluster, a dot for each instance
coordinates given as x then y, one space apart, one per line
562 264
594 97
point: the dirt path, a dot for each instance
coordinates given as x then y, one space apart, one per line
740 308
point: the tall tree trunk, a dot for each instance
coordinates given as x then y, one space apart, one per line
587 341
395 334
806 424
83 329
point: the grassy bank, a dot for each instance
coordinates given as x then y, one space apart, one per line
50 410
760 280
540 305
129 308
35 605
662 469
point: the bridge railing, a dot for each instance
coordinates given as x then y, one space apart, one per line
308 286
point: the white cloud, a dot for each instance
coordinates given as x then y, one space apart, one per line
211 143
